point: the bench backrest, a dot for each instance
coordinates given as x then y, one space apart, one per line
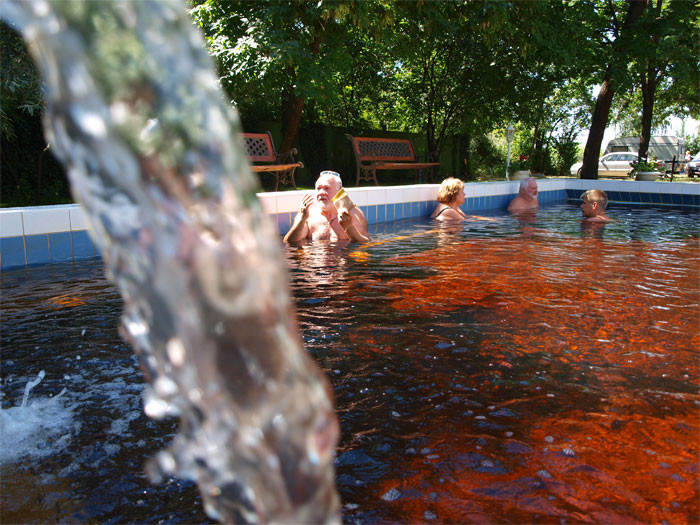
259 147
367 148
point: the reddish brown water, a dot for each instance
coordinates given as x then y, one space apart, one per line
533 378
501 372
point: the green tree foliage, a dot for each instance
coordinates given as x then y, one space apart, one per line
287 53
666 65
30 173
618 38
21 89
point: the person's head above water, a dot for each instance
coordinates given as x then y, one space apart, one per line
526 199
528 188
593 205
327 185
450 189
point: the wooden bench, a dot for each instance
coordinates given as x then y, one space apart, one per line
259 148
372 154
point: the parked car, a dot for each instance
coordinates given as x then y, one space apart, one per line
610 165
693 166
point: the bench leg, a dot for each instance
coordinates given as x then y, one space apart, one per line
277 180
374 176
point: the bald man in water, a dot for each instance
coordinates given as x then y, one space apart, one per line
526 198
318 217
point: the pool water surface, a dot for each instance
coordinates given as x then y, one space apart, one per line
508 370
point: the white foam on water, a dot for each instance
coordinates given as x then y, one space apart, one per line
37 428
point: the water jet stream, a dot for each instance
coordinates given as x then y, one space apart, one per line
135 112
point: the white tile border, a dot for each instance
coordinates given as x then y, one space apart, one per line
15 222
47 220
77 219
268 202
11 223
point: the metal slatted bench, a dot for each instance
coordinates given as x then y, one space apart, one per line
372 154
259 148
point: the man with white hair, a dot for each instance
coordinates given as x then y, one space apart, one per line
526 199
318 217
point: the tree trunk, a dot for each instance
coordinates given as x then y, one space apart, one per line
465 154
293 106
292 109
648 94
599 122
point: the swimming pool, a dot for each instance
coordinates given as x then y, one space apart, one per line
511 370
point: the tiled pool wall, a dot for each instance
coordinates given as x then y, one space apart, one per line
57 234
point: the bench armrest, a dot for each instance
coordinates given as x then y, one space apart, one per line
286 158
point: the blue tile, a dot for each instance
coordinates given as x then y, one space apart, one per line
38 249
12 252
624 196
82 246
635 197
655 198
645 197
381 212
677 198
424 209
390 212
61 247
696 200
613 196
687 199
415 209
371 215
284 222
666 198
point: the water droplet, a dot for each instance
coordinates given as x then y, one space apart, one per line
176 351
164 386
391 495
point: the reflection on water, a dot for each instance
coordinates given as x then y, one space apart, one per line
499 372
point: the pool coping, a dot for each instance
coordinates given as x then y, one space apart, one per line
40 235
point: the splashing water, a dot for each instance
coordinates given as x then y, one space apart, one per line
28 429
134 110
30 385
